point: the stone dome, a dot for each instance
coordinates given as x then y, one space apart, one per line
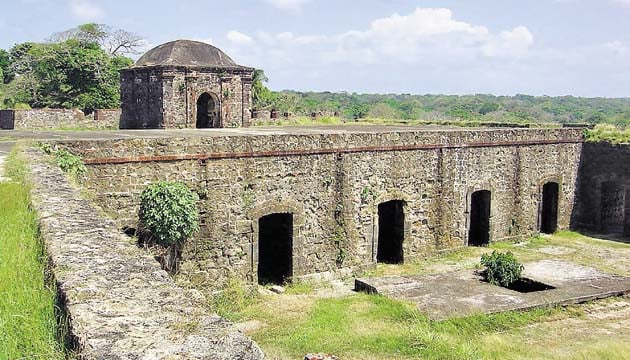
186 53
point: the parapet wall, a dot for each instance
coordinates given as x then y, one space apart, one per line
332 181
119 303
58 119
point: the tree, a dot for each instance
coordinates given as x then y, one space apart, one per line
262 97
114 41
4 65
70 74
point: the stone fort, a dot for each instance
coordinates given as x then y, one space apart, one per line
322 202
282 203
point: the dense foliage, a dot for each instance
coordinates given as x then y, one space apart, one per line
74 73
168 210
477 108
501 268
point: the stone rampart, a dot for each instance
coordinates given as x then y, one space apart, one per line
58 119
119 303
332 181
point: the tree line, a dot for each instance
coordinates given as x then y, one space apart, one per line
471 108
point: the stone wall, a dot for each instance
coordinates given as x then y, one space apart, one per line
107 118
119 303
332 182
603 190
57 119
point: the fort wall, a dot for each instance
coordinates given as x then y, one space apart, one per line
58 119
116 300
332 182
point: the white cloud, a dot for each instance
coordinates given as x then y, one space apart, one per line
425 33
432 51
515 42
237 37
623 2
291 5
86 10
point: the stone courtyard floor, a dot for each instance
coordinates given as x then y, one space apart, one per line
464 293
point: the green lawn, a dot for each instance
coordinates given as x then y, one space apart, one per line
28 325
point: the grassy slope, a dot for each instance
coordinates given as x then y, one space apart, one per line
27 313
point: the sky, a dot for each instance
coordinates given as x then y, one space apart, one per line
501 47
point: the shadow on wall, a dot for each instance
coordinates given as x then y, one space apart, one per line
602 199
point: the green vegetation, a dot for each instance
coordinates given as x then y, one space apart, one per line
67 162
608 133
501 268
168 217
519 109
28 326
360 326
74 70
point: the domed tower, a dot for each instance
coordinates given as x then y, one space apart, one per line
185 84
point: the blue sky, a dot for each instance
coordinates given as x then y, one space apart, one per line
503 47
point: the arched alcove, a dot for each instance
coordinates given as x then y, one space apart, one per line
208 111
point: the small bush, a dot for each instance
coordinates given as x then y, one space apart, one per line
168 217
67 161
169 211
501 268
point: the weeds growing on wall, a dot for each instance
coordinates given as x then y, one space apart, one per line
608 133
67 161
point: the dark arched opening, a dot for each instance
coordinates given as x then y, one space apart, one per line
208 112
275 248
479 230
391 229
549 208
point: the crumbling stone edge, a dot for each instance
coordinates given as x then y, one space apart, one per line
119 303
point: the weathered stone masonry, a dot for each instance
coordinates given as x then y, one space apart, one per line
332 181
165 87
119 303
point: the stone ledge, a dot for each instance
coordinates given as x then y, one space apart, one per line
120 304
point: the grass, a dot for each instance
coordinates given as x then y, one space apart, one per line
28 326
361 326
608 133
364 326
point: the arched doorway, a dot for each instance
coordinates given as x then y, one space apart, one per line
479 230
549 208
391 232
275 248
208 115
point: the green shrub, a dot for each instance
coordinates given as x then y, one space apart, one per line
501 268
169 211
67 161
168 216
70 163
